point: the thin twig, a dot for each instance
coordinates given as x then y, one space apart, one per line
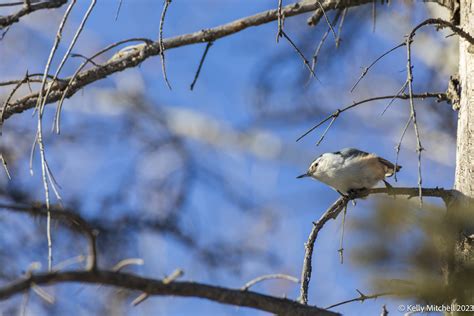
127 262
30 79
10 96
327 20
341 244
140 298
68 262
118 10
48 298
374 15
321 43
64 94
261 278
53 51
8 20
280 21
39 132
11 4
339 29
419 147
4 33
441 96
366 69
444 24
201 62
397 148
326 130
5 167
331 213
305 61
177 273
361 298
85 58
160 40
69 49
402 90
167 280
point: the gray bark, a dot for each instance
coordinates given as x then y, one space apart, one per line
464 180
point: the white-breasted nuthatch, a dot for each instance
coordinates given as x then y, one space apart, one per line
350 169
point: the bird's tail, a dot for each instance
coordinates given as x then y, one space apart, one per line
389 167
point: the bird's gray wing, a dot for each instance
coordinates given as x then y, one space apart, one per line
351 152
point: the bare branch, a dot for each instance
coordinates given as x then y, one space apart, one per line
399 144
419 147
160 41
201 62
444 24
280 20
118 10
321 43
440 96
127 262
66 92
138 56
338 206
13 18
374 15
366 69
71 46
298 51
261 278
327 20
339 29
361 298
331 213
276 305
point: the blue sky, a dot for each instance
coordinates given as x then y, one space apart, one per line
104 158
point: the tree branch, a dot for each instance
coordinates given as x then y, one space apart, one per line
137 56
15 17
70 217
336 208
440 96
276 305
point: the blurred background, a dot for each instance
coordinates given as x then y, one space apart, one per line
204 180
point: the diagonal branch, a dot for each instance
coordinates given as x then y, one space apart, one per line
361 298
276 305
137 56
440 96
338 206
331 213
32 7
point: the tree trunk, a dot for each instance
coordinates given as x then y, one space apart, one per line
464 181
463 252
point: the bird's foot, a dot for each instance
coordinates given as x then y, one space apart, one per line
355 193
387 184
389 188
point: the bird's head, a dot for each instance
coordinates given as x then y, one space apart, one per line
312 170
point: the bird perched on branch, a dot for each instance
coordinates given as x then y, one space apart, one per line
350 170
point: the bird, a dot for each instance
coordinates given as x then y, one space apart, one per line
350 170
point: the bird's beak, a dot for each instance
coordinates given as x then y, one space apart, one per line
303 176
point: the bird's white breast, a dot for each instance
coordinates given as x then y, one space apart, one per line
350 173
